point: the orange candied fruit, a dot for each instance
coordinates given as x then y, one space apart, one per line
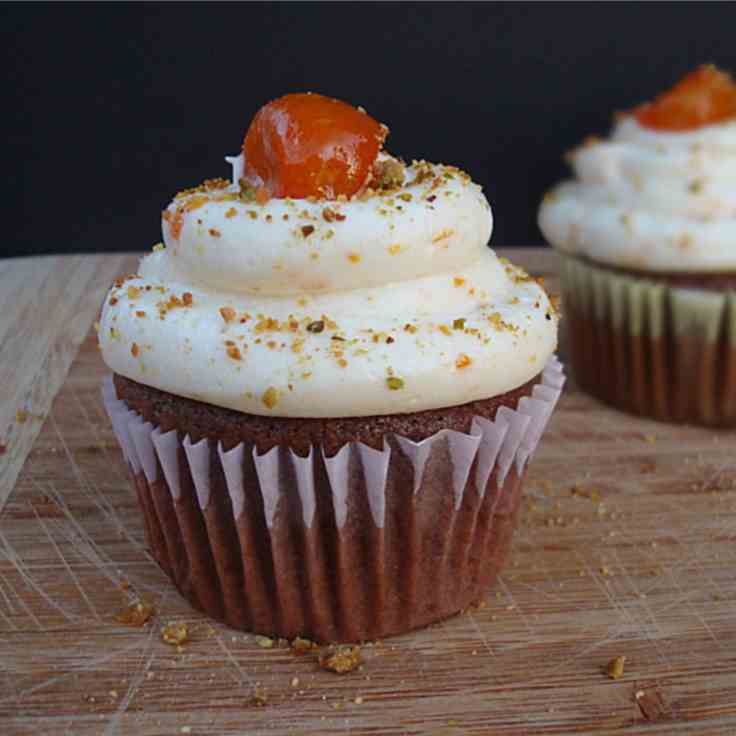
307 145
703 97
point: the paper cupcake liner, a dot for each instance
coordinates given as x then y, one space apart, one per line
352 547
650 348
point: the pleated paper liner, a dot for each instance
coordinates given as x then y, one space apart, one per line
352 547
650 348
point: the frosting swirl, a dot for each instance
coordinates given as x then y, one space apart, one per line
650 200
384 304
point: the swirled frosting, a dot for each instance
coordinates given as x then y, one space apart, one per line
650 200
382 304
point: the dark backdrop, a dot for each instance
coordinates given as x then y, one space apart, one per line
111 108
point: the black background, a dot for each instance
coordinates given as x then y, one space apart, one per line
112 108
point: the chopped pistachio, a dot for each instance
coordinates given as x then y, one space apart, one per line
615 668
270 397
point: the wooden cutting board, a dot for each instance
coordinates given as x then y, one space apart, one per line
625 548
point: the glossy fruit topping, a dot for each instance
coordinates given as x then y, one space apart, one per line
307 145
703 97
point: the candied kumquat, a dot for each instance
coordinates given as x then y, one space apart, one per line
307 145
703 97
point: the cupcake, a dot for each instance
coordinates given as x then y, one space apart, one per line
647 236
326 386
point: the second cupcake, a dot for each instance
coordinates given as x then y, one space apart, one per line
647 235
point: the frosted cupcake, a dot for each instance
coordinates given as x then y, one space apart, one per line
326 385
647 234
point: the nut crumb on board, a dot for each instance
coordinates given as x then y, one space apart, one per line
340 659
615 668
136 614
592 493
175 634
259 696
301 645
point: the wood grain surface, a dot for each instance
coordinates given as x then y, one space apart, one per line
625 548
46 307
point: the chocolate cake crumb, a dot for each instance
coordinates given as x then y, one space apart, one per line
652 704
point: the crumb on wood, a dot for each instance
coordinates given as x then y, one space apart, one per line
615 668
136 614
175 634
592 493
652 704
300 645
259 696
264 642
340 659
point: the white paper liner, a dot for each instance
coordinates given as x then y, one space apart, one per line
510 438
282 545
650 347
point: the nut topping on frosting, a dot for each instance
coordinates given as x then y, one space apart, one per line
369 291
308 145
703 97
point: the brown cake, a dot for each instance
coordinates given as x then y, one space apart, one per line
288 579
328 397
230 428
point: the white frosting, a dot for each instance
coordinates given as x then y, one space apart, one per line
231 244
650 200
409 286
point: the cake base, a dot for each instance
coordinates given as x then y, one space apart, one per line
654 347
198 420
343 547
357 583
